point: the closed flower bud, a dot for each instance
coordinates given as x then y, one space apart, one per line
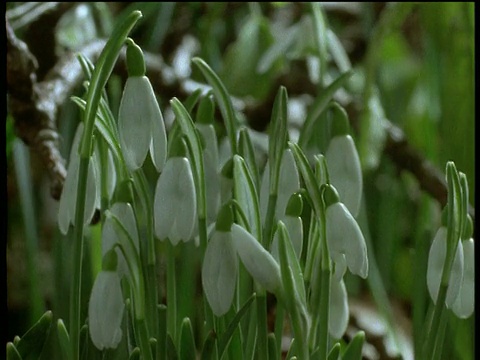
175 203
105 311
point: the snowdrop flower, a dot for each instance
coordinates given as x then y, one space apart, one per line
338 308
140 122
344 164
344 237
175 204
106 306
464 304
68 199
258 261
220 265
436 261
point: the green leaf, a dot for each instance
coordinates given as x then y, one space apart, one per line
195 147
31 343
172 353
64 340
272 346
246 195
12 352
135 354
208 349
246 150
319 105
308 177
278 137
223 99
354 348
241 60
187 341
334 353
227 335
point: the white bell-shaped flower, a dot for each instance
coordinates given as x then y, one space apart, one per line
175 204
344 237
436 262
338 308
106 306
258 261
140 122
345 171
219 271
68 199
465 303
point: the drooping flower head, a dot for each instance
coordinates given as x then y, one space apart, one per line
140 122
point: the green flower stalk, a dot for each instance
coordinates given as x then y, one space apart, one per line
68 198
140 122
175 204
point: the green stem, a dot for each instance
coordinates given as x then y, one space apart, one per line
279 321
76 289
100 76
142 334
171 292
262 349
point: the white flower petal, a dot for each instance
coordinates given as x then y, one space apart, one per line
345 237
436 260
465 302
258 261
135 116
175 202
456 276
337 324
105 311
345 171
68 198
158 145
219 272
